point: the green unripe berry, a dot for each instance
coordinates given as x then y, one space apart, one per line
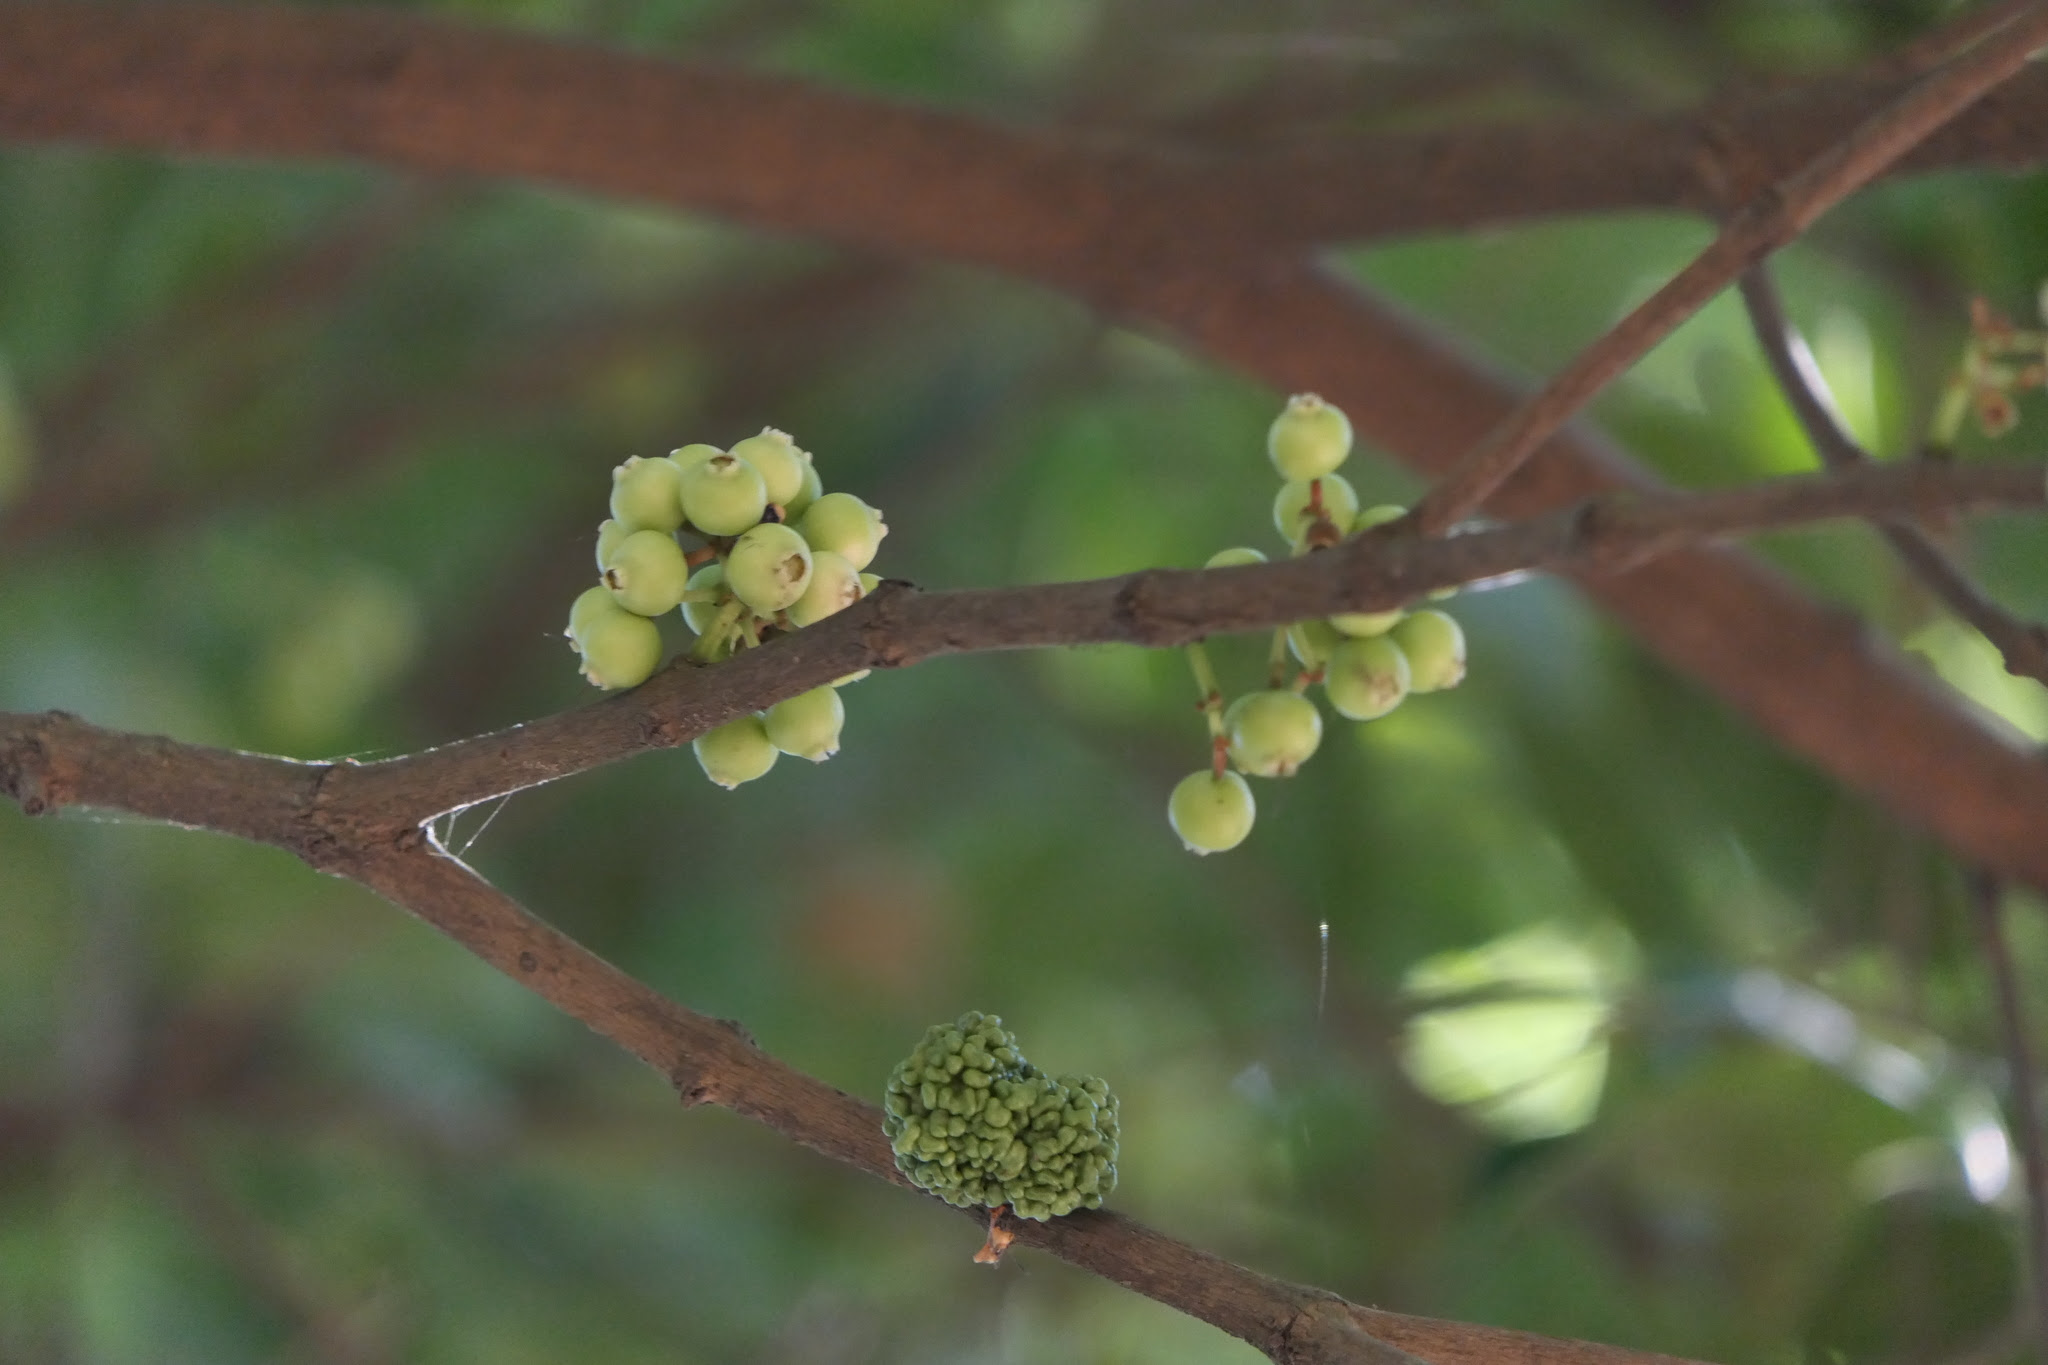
813 488
1272 733
700 615
851 678
619 648
646 495
869 582
695 453
1377 515
807 725
1290 508
737 751
1231 558
1435 646
589 604
1311 642
835 586
648 573
1367 678
769 568
723 495
845 525
1211 812
609 534
780 463
1309 438
1362 623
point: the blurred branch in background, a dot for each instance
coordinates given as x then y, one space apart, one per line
2022 644
2024 1100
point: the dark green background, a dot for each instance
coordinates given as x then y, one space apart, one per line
307 460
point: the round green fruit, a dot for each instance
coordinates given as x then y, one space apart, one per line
647 573
813 488
1231 558
1272 733
699 615
619 648
646 495
609 534
695 453
1290 508
1435 646
723 495
769 568
1367 678
1311 642
835 586
845 525
1211 812
780 463
588 606
737 751
807 725
1309 438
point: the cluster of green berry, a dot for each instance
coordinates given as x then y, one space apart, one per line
1367 662
748 543
1999 361
974 1123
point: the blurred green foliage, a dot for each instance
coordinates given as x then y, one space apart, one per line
1562 1001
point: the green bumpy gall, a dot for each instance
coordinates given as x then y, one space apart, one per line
723 495
1309 438
973 1122
780 463
647 573
1367 678
845 525
1272 733
1290 508
1435 646
769 568
1211 812
808 724
646 496
737 751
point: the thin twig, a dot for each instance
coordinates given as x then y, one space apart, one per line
2023 644
1985 894
1764 224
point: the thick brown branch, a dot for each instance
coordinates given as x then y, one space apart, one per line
323 812
2022 644
1760 227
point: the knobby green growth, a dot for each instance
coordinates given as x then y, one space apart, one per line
974 1123
748 543
1367 662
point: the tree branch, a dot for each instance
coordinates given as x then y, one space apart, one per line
711 1061
2024 645
1762 225
2023 1095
